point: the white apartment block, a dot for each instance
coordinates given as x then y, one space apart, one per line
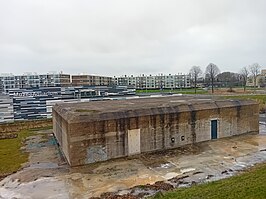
160 81
260 79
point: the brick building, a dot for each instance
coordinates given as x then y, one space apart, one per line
91 80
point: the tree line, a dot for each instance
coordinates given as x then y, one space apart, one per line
212 74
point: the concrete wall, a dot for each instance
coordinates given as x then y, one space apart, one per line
60 129
88 142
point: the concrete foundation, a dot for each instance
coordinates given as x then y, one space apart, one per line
97 131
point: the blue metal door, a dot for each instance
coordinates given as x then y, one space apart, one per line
213 129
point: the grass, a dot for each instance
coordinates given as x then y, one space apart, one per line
42 128
250 184
181 91
261 99
29 121
11 155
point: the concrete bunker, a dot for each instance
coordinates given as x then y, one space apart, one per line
90 132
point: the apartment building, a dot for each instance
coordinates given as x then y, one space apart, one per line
55 79
7 81
260 79
36 103
160 81
33 80
91 80
6 109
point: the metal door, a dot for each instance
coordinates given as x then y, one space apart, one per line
213 129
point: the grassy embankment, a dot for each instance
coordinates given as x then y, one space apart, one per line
250 184
11 155
181 91
261 99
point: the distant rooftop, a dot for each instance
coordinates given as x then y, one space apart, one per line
30 73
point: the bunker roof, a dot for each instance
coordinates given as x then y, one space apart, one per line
116 109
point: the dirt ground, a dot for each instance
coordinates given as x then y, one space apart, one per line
47 175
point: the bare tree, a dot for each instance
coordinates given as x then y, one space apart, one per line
244 76
212 71
254 70
195 72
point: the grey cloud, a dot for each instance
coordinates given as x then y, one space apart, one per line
130 37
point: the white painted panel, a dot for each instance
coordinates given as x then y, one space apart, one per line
133 141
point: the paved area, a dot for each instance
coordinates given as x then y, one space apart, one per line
47 176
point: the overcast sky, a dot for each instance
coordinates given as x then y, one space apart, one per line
116 37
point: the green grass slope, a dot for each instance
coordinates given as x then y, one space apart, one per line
249 185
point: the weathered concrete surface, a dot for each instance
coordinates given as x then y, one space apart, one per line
98 131
46 176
